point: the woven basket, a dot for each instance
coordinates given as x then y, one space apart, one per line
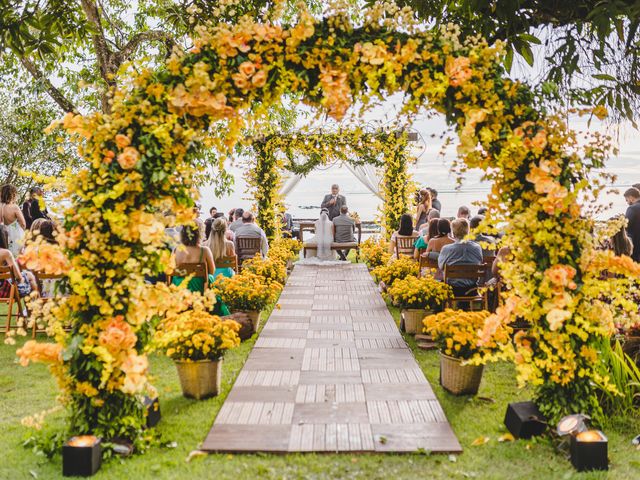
457 378
412 319
199 379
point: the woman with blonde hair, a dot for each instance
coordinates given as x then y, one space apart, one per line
219 245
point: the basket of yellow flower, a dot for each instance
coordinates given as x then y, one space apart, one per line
271 269
464 338
375 252
285 250
417 298
396 269
248 293
197 341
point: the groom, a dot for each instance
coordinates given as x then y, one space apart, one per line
344 227
333 202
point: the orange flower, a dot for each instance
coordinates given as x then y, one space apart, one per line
561 275
117 336
134 368
259 79
128 158
458 69
39 352
247 68
539 141
240 81
122 141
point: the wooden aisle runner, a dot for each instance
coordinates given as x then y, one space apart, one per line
331 373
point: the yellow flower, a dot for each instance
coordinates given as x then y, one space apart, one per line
122 141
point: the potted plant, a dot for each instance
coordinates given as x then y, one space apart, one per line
248 293
465 340
375 252
396 269
417 298
272 269
197 341
285 250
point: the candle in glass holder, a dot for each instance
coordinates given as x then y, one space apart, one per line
81 456
589 451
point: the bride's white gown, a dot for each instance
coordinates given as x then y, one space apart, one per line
322 239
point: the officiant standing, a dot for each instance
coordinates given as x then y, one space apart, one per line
334 201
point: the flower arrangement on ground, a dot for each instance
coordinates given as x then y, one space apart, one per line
419 293
247 291
460 334
463 350
375 252
270 269
195 335
396 269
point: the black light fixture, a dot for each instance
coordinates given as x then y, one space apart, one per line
524 420
81 456
152 406
589 451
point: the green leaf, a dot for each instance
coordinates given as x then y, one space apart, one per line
604 76
508 59
530 38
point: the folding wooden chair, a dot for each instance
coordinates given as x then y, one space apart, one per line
228 262
12 298
247 247
427 263
405 246
42 279
193 270
468 272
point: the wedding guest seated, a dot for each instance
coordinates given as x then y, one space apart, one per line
427 234
620 243
237 219
286 226
26 282
221 247
461 252
249 229
436 243
344 228
464 212
405 231
480 237
232 214
433 215
190 251
35 226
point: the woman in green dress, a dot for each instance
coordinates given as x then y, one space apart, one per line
220 247
190 251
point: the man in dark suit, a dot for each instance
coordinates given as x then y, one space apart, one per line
37 207
333 202
632 196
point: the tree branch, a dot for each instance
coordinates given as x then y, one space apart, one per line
149 36
53 92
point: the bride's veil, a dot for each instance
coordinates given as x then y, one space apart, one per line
324 235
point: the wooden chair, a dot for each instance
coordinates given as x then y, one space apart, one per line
13 298
247 247
405 246
194 270
468 272
228 262
41 277
427 263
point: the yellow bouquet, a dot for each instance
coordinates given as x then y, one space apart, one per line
400 268
246 291
459 333
272 270
195 335
419 293
375 252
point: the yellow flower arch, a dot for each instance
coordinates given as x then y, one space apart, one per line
141 164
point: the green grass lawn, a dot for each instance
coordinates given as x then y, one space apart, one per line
25 391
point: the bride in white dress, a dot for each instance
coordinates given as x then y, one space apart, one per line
322 241
11 217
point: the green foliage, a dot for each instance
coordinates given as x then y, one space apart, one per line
587 49
24 145
625 375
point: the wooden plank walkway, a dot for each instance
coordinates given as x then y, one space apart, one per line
331 373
